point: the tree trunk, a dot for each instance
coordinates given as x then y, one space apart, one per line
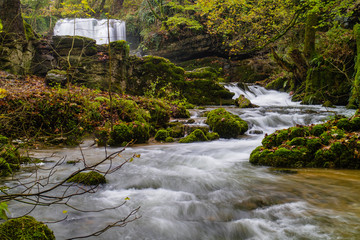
355 95
310 31
11 19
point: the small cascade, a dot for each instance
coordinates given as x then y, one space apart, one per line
260 96
92 28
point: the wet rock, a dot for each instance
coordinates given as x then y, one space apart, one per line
243 102
56 78
256 131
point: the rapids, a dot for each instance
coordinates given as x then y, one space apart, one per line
209 190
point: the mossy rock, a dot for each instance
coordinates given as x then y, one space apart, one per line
10 158
226 124
195 136
88 178
120 48
159 110
318 129
169 139
211 136
120 135
298 141
207 92
323 145
25 228
140 132
344 124
176 130
243 102
355 122
280 83
123 133
202 73
298 131
179 111
56 77
161 135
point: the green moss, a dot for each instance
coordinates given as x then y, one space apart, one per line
3 139
176 130
120 135
328 103
243 102
195 136
29 33
202 73
298 141
5 168
160 111
169 139
161 135
323 145
298 132
281 136
279 83
344 124
269 141
226 124
25 228
207 92
355 122
179 111
102 137
211 136
140 132
313 144
88 178
121 47
129 110
123 133
318 129
355 93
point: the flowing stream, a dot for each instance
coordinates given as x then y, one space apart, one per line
209 190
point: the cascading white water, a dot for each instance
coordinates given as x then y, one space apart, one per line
209 190
92 28
261 96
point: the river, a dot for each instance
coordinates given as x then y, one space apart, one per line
209 190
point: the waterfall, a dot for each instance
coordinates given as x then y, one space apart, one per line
92 28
